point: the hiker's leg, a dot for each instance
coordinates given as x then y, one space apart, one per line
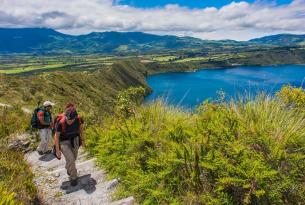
43 145
49 136
76 147
66 150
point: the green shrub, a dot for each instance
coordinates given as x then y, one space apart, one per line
231 153
128 100
13 120
292 96
6 198
16 185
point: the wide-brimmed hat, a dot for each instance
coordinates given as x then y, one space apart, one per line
48 103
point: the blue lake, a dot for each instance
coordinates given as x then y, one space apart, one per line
189 89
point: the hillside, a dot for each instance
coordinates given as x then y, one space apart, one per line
27 40
40 40
156 149
281 39
240 152
94 93
48 41
90 90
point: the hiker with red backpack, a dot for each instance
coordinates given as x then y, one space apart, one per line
68 138
44 124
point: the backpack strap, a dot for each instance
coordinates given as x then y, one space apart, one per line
79 119
63 124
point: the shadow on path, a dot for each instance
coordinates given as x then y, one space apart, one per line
47 157
84 182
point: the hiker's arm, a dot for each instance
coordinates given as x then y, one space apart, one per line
56 141
82 134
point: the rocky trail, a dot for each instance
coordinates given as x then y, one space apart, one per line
53 184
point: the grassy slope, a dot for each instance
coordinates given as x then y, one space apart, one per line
249 152
16 185
94 93
91 91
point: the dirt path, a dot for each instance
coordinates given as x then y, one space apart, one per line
52 181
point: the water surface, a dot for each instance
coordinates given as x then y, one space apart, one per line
189 89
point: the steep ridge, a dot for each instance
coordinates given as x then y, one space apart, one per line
91 91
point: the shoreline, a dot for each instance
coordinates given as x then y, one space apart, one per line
216 68
219 67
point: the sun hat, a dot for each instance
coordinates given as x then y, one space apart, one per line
48 103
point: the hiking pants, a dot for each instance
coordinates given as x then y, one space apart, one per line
45 137
70 155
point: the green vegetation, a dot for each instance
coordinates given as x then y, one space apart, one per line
27 64
16 180
16 185
247 152
93 92
164 58
12 120
31 68
234 57
292 96
181 60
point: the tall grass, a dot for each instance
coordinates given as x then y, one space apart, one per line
247 152
16 185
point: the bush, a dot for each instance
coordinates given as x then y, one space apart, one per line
230 153
16 186
6 198
13 120
292 96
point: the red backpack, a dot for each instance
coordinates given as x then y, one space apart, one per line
61 118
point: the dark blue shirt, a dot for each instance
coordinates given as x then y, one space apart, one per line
70 131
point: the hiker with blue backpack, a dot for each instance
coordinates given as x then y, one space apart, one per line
68 138
42 120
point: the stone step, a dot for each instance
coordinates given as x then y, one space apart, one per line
126 201
84 166
54 186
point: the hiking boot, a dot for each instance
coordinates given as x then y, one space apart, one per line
48 152
73 182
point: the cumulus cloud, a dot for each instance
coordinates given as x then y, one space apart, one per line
238 21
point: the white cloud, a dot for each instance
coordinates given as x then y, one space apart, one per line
238 21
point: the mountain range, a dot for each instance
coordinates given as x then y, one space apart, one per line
43 40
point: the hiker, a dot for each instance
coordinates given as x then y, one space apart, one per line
68 138
45 125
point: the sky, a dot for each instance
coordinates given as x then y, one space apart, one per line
206 19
